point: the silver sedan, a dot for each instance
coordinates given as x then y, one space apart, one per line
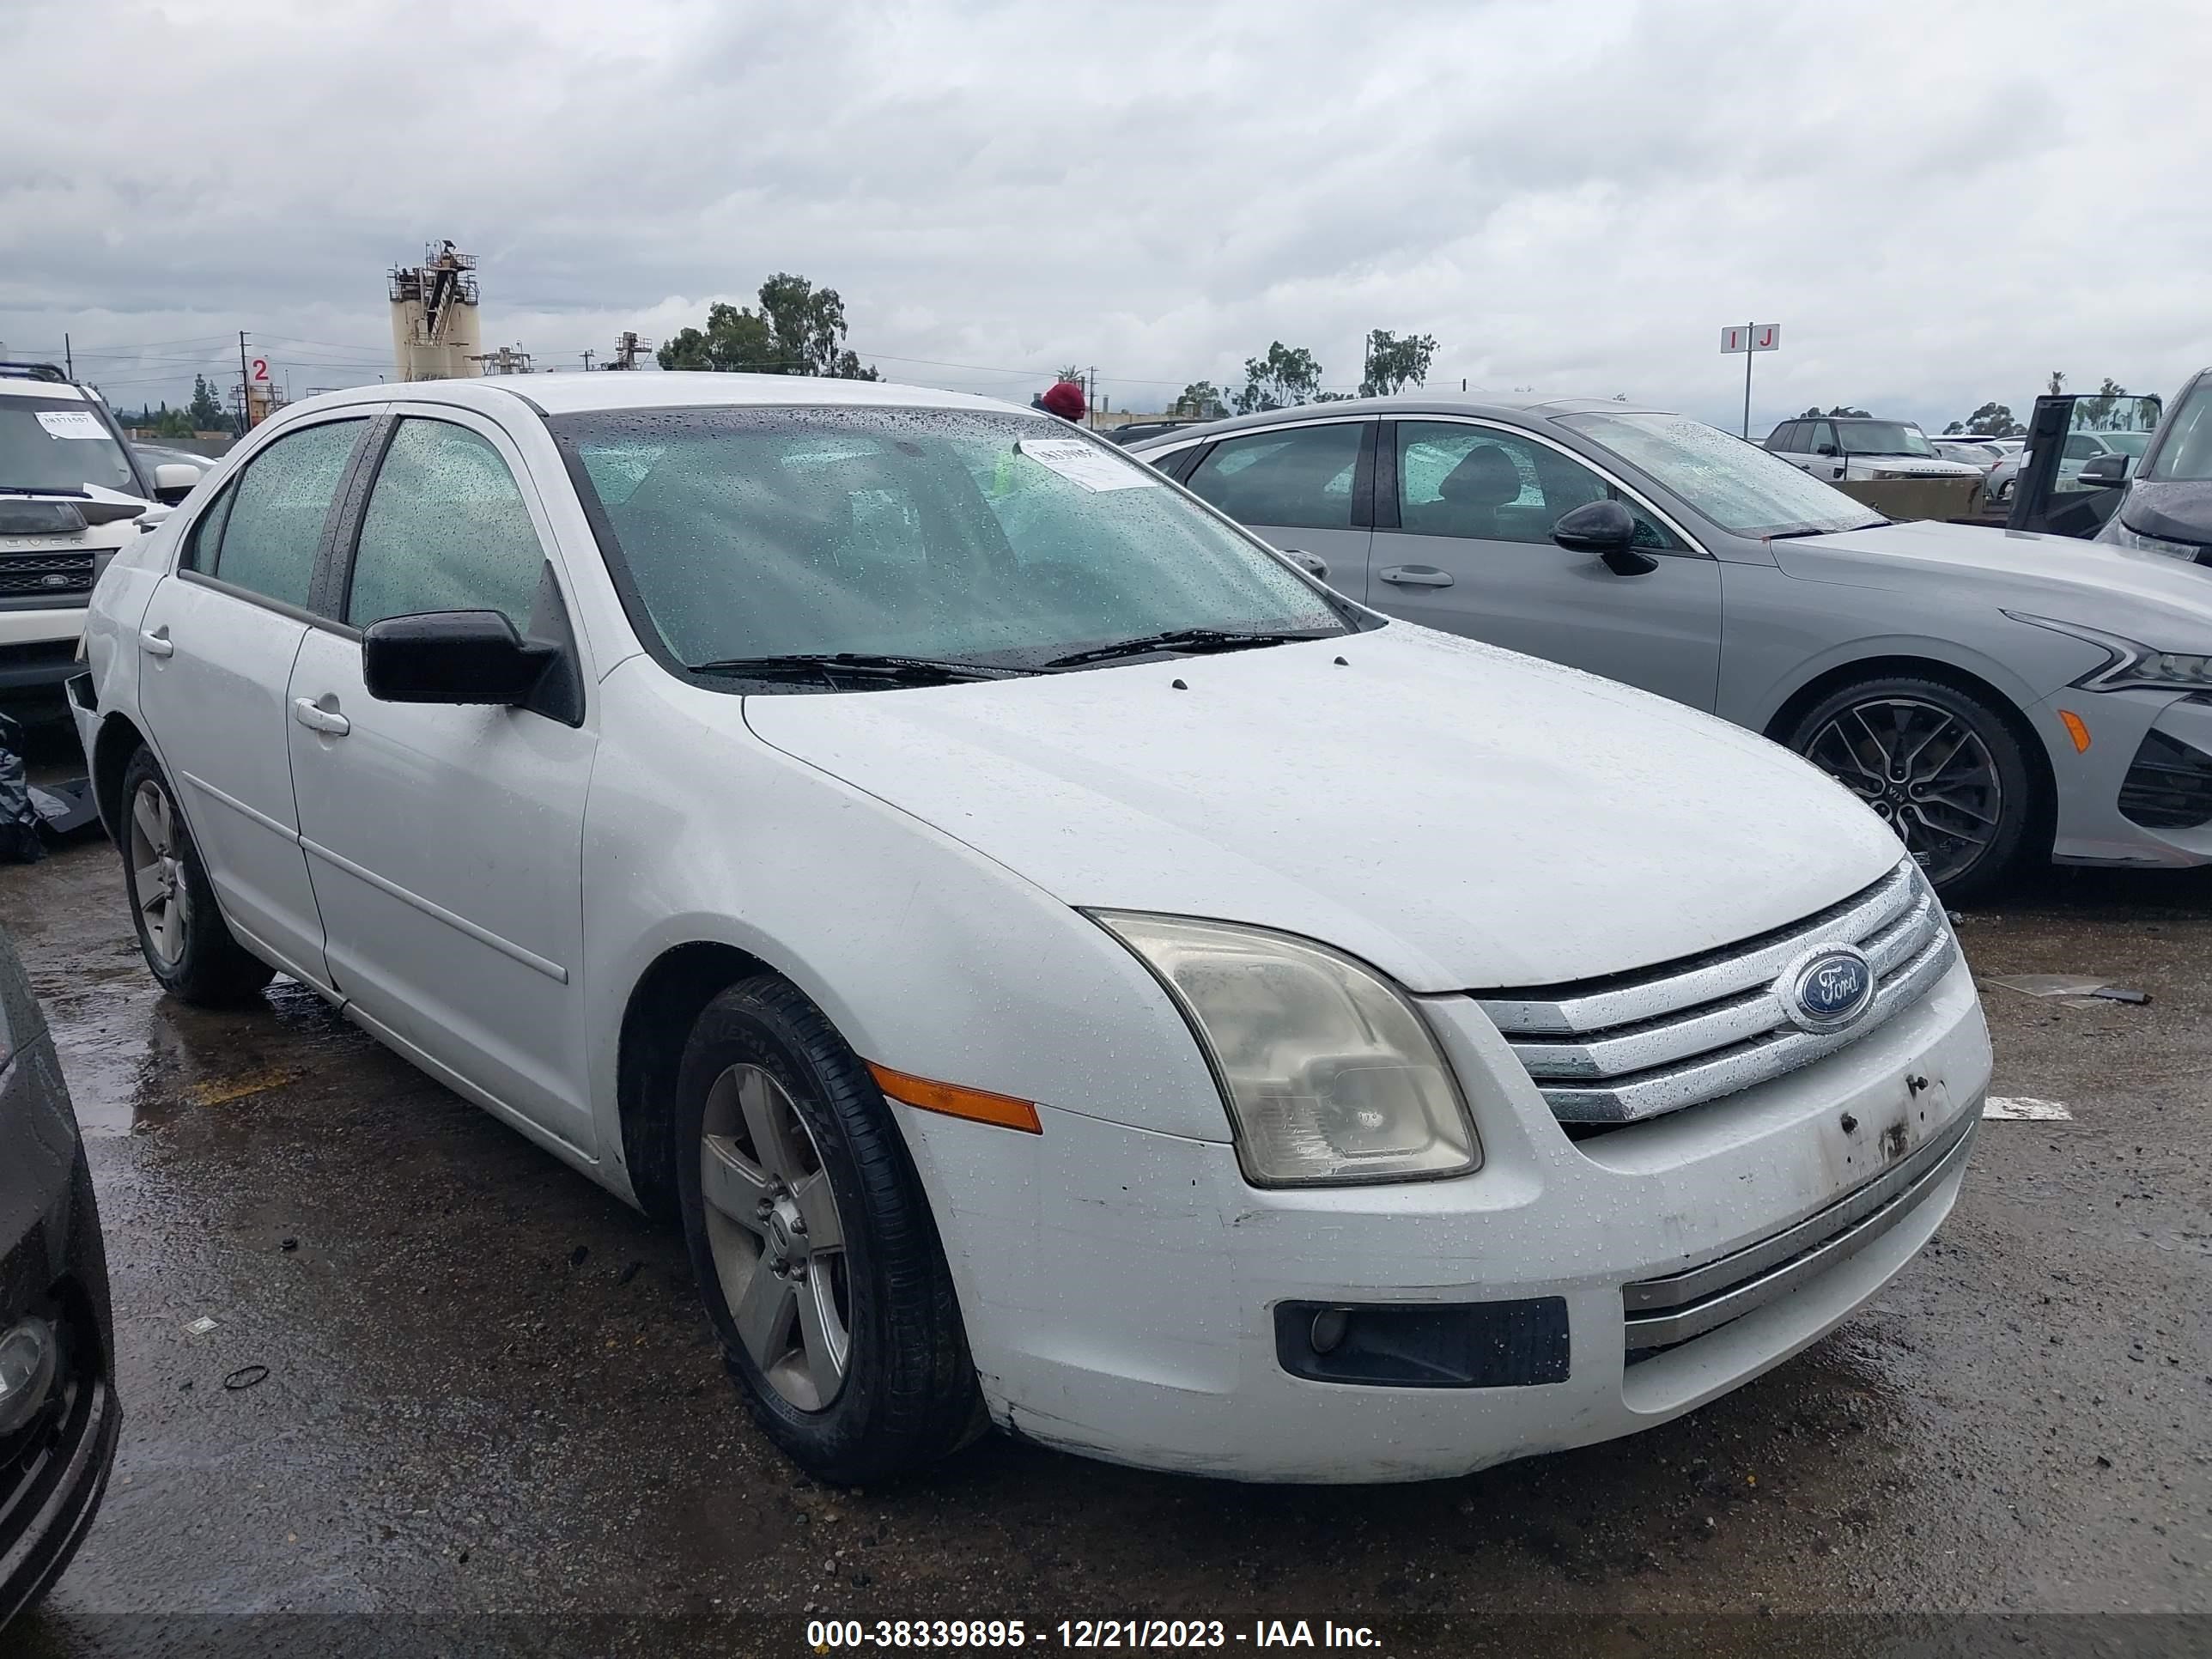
1996 697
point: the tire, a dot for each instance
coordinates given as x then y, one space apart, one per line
181 932
772 1102
1967 795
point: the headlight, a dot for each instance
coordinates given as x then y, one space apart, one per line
2131 666
1329 1073
2116 534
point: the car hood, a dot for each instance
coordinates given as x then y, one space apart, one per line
2174 510
1461 817
2116 588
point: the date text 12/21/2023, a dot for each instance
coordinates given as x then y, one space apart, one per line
830 1635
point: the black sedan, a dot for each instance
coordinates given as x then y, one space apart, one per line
59 1415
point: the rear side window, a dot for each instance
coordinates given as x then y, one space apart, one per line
1301 479
264 534
446 530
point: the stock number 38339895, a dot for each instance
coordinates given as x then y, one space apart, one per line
828 1635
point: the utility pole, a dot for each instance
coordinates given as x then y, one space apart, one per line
244 389
1090 395
587 360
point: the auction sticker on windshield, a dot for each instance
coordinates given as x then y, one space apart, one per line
70 423
1086 464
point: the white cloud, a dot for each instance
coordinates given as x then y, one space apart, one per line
1939 203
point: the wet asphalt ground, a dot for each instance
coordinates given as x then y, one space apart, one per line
492 1416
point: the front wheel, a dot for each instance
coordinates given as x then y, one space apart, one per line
1938 764
813 1245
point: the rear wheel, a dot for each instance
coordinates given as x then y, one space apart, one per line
181 932
1938 764
813 1244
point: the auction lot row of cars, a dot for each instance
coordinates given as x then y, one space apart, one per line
1297 951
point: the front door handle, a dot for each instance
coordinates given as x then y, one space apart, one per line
316 718
1417 575
156 642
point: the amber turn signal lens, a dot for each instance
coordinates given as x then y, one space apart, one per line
977 1105
2075 730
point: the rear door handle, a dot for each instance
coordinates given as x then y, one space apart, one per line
1417 575
316 718
156 642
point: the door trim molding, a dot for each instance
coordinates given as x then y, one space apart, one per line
484 936
254 814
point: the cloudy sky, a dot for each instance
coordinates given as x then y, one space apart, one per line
1940 202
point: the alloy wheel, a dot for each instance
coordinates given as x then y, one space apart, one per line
777 1237
1925 770
158 873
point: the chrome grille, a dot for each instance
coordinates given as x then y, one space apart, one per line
1637 1045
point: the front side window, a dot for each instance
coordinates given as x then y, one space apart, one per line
1484 484
1819 435
446 530
1301 479
59 445
1737 485
274 513
999 540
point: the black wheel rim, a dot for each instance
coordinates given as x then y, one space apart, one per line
1925 770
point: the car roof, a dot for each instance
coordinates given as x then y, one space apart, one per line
22 386
575 392
1415 404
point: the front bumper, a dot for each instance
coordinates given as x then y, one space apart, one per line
2099 789
1120 1287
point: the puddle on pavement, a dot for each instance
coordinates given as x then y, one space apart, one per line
136 1059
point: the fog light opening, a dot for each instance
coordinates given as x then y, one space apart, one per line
27 1363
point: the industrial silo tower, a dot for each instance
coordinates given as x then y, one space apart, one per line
435 334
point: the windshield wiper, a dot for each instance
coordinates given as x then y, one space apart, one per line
27 490
1180 639
1825 529
860 664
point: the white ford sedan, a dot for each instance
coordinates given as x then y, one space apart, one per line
1060 965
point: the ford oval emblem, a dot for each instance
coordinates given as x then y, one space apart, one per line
1828 988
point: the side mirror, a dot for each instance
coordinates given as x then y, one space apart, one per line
173 481
1827 449
1609 530
452 656
2103 471
1313 567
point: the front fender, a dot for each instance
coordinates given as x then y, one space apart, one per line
928 957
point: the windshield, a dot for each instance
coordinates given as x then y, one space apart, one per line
2128 443
999 540
2185 454
1883 438
1738 486
59 445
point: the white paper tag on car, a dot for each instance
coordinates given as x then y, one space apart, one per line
70 423
1086 463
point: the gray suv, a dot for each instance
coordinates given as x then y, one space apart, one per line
1993 695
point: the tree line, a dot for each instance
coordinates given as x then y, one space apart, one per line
801 329
205 413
